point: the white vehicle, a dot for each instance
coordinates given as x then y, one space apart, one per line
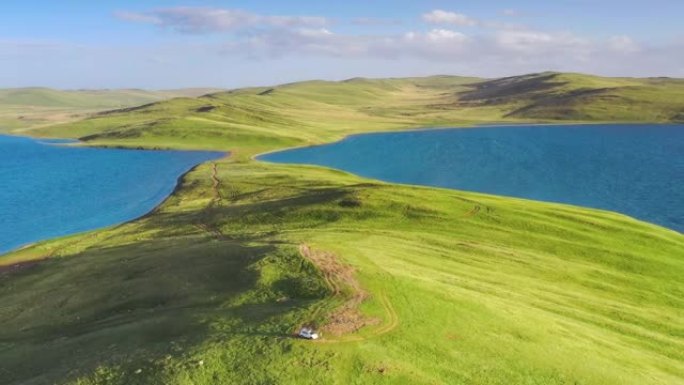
308 333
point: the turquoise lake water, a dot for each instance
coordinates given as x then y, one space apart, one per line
49 190
635 169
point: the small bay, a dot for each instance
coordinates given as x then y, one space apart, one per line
51 189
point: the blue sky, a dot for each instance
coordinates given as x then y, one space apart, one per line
169 44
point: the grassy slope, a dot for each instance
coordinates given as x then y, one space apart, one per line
583 97
465 288
23 108
309 112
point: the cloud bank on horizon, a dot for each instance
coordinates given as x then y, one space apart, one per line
263 36
262 48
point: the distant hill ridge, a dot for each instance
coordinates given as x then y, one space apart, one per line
323 110
48 97
23 108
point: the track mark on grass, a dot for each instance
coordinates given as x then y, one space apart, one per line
474 211
392 317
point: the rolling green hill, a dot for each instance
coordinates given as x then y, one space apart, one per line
410 285
319 111
22 108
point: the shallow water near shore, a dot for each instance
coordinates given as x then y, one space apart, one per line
50 190
635 169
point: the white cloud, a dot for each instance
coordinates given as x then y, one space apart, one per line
439 16
623 44
315 32
446 35
530 42
439 44
285 56
205 20
492 49
288 42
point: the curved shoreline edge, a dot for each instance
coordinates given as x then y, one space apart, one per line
454 127
228 154
260 158
221 155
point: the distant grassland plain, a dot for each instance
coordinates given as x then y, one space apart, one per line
409 285
26 108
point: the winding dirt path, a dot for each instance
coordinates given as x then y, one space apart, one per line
216 200
216 183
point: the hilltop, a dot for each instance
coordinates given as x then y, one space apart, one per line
410 285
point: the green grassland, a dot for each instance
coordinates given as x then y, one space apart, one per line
25 108
456 287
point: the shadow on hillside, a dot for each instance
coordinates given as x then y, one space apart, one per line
120 305
502 90
254 220
144 300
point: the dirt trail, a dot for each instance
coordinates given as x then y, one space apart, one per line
216 183
347 318
215 233
216 200
474 211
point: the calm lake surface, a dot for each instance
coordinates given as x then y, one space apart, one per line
50 190
637 170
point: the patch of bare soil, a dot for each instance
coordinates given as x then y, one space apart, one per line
342 280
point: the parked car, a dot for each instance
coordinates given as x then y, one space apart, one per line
308 333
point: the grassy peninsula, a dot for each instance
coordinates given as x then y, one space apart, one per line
410 285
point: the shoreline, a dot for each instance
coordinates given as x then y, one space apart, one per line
455 127
258 158
228 154
177 185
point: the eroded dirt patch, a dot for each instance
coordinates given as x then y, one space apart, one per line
342 280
